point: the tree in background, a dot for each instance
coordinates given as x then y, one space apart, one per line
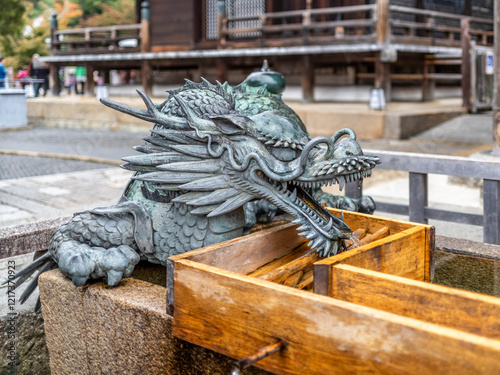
124 14
19 47
11 23
104 13
25 24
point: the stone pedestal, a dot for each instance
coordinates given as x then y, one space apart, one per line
13 109
96 329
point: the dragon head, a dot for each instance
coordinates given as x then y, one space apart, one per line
219 159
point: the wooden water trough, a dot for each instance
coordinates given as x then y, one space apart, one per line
373 309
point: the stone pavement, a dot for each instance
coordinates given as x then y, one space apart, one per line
66 171
24 200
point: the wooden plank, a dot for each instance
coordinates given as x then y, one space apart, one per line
402 254
287 258
453 308
443 62
357 220
237 315
235 255
430 240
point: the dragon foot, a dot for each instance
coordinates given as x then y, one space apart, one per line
81 262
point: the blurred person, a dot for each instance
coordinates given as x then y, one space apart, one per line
81 78
21 75
70 81
3 73
38 70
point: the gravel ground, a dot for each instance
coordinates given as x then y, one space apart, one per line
17 166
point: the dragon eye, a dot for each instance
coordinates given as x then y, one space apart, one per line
283 154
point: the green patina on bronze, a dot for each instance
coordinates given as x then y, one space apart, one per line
213 149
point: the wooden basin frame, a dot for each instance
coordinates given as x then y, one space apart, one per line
377 314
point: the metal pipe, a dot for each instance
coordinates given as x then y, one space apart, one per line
248 361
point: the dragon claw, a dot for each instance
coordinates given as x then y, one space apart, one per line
81 262
79 281
114 277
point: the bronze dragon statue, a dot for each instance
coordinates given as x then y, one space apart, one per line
213 148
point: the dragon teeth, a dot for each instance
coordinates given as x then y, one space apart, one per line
312 235
341 181
317 242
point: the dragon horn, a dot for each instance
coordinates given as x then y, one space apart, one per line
193 119
151 114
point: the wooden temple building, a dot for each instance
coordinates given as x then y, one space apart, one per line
380 43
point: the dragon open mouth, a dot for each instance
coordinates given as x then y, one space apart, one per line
324 230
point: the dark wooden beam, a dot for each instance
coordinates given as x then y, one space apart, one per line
147 77
221 70
56 82
89 84
383 76
308 79
429 84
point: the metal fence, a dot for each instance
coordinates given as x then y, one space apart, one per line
419 167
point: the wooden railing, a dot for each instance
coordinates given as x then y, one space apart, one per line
419 167
96 39
431 27
302 27
380 23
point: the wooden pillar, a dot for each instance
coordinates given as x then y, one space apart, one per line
383 76
383 68
466 67
89 84
54 77
221 23
308 79
147 77
221 70
429 84
146 69
383 22
496 84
